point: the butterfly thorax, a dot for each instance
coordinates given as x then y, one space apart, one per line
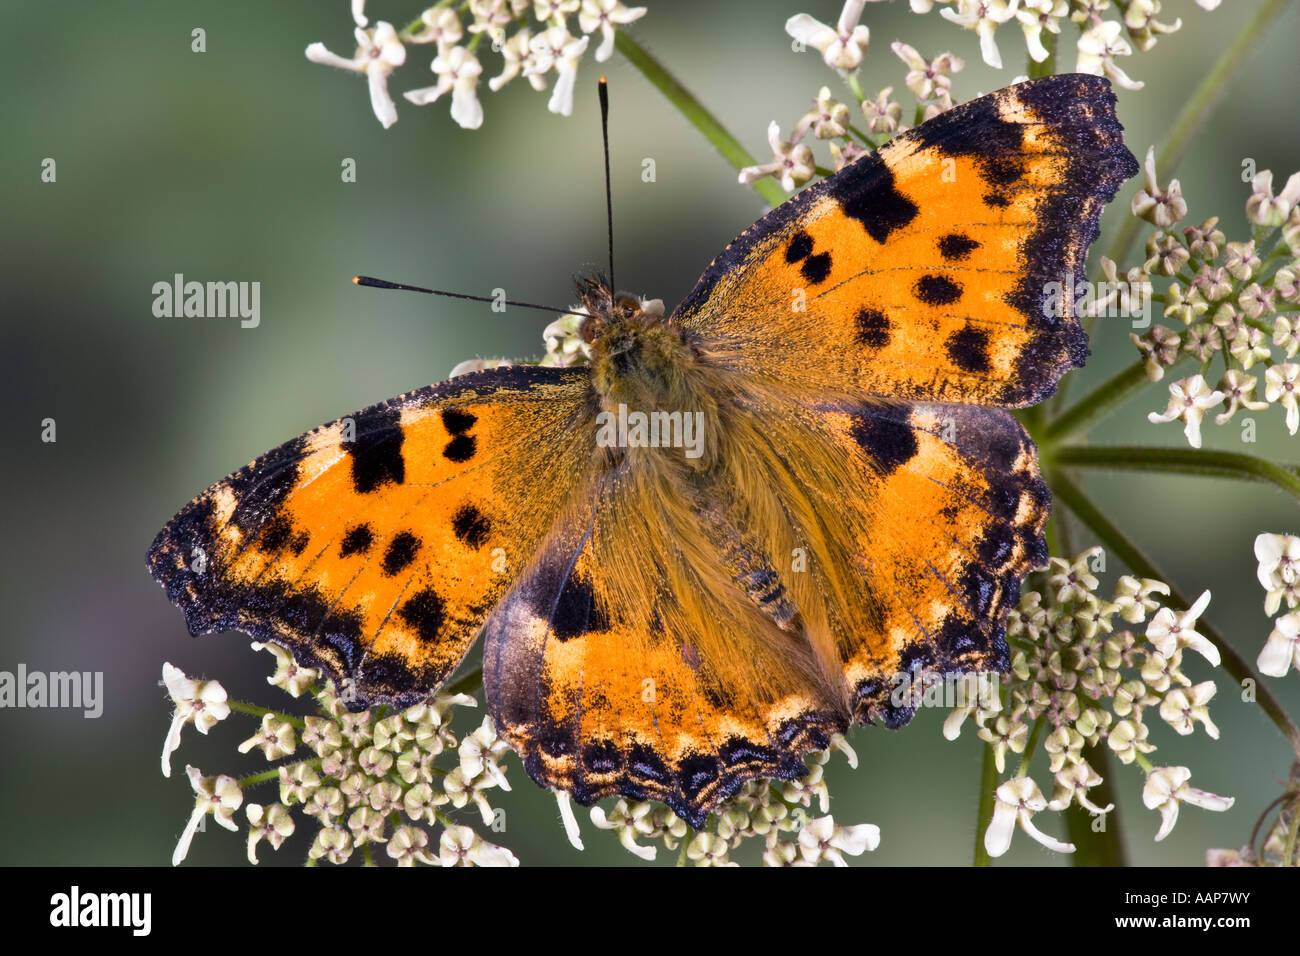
645 365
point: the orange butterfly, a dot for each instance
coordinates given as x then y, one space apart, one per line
725 539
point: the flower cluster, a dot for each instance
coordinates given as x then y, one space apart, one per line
374 779
1235 303
780 812
844 45
532 37
1086 672
1101 39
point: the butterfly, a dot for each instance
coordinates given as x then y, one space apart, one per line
667 625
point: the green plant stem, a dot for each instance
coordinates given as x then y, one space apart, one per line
1069 494
696 114
1186 461
1098 403
468 684
1090 847
984 815
1292 833
240 707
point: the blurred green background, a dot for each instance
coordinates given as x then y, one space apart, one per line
226 165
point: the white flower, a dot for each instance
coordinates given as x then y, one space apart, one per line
379 52
1167 787
822 839
842 46
289 676
1208 4
359 12
602 15
984 17
1034 17
272 824
1239 389
1265 209
1161 207
441 26
219 796
792 162
1282 651
461 846
1098 47
1182 707
927 78
1189 399
1017 801
202 703
557 10
458 70
559 49
517 56
1279 565
1280 384
1169 631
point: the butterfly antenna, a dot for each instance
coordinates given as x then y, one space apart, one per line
385 284
609 196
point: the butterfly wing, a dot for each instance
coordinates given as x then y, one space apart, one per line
628 660
375 546
937 268
944 518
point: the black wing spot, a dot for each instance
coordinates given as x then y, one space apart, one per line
817 268
800 247
401 552
957 248
937 290
576 611
457 421
873 328
377 451
471 526
425 612
876 203
276 534
969 349
461 448
357 541
889 442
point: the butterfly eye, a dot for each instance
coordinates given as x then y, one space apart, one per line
591 328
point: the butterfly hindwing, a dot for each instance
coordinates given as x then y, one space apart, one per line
375 546
679 694
937 268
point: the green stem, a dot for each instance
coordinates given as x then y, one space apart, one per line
696 114
241 707
1035 732
1292 833
1069 494
1211 89
1090 847
1098 403
469 684
984 815
1186 461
